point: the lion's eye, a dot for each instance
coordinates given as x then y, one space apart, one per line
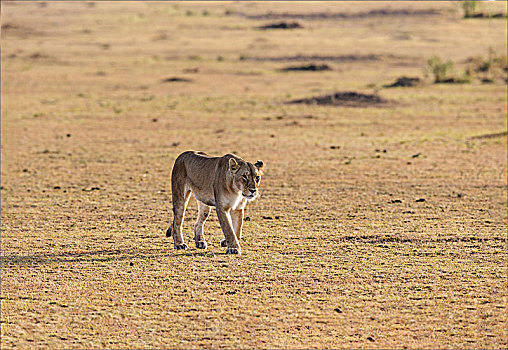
258 178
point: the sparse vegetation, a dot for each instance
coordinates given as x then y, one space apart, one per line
469 8
440 70
444 72
489 68
378 227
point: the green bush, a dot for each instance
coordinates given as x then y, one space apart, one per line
469 8
439 69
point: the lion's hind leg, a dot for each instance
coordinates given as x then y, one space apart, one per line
181 195
199 238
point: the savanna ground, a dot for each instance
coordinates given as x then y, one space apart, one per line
379 226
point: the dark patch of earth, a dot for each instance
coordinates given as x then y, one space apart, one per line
309 67
282 25
341 58
176 80
341 15
347 98
405 82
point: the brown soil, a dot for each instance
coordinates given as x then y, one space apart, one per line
282 25
308 67
349 99
405 82
487 15
327 15
328 260
339 58
176 80
490 136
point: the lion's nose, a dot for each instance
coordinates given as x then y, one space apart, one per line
252 190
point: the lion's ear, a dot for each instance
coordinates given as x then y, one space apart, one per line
233 165
260 165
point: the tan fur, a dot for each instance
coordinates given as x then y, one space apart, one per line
226 183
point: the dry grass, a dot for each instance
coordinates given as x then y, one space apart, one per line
351 257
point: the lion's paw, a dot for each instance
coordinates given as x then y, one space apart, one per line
201 245
233 251
181 246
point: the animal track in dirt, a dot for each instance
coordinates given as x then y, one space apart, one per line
347 99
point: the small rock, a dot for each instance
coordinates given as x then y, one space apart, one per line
370 339
337 310
420 200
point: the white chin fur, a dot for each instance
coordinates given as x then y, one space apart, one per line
251 198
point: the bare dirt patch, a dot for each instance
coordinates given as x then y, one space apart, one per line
346 99
340 15
309 67
303 58
405 82
490 136
19 30
176 80
488 15
281 25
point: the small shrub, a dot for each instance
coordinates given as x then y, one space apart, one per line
489 68
469 8
439 69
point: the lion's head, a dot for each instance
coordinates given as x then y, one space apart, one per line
246 177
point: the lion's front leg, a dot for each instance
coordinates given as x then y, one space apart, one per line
229 234
237 219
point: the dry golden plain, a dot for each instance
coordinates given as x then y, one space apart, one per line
378 226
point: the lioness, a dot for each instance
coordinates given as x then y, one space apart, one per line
226 183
